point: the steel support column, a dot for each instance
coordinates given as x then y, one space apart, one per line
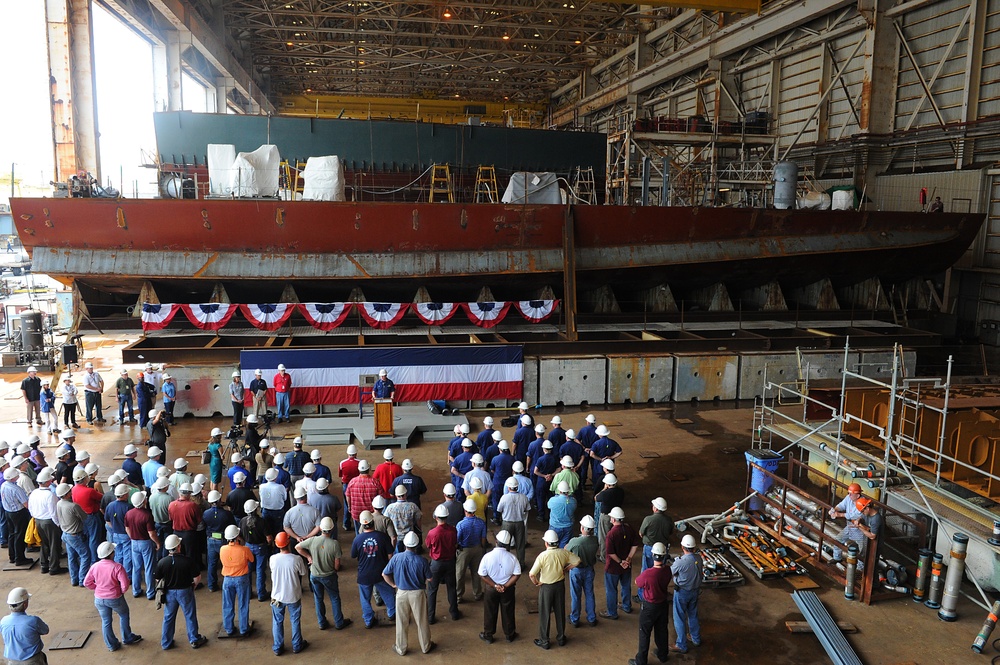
72 99
569 274
878 96
973 76
223 85
173 70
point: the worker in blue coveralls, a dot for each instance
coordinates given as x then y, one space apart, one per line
384 387
587 436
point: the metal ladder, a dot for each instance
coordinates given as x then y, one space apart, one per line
441 182
486 185
583 185
762 418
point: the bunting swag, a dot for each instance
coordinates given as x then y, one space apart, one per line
268 316
486 314
382 315
434 313
156 317
209 315
536 311
325 315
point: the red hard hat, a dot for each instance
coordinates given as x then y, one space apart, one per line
863 503
281 540
854 487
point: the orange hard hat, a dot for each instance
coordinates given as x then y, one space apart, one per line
854 488
863 503
281 540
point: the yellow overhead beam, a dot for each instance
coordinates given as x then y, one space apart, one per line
708 5
448 111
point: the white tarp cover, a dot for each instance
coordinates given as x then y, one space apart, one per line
220 162
525 187
256 173
843 199
814 201
324 178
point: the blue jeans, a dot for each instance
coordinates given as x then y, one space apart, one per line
261 555
183 599
278 625
143 557
647 562
4 527
612 583
283 402
236 589
329 585
93 527
124 407
123 551
581 580
214 545
386 592
686 613
105 606
563 534
77 557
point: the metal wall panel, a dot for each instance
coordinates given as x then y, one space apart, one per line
827 364
755 368
844 102
989 76
705 377
572 380
960 191
798 93
531 380
638 379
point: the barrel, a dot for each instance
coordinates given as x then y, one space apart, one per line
31 331
786 180
767 460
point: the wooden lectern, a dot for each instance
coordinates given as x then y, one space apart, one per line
383 417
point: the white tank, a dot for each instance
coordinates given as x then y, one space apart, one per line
786 178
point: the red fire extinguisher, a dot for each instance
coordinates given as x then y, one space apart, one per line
923 196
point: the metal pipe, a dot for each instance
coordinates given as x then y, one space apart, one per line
830 636
953 582
886 482
988 625
937 583
923 573
852 569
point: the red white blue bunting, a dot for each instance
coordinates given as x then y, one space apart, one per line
325 315
268 316
209 315
156 317
435 313
382 315
536 311
486 314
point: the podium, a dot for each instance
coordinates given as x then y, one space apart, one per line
383 417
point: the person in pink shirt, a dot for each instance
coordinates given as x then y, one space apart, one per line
109 582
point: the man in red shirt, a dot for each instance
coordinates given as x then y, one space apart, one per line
442 545
184 517
348 472
621 544
360 492
141 529
282 392
89 500
386 472
656 607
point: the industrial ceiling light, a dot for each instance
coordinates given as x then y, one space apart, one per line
506 38
447 13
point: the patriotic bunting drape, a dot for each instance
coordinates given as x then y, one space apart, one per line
327 316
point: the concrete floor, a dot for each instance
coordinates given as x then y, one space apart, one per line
744 624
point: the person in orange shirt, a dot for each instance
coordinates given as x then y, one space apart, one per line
236 559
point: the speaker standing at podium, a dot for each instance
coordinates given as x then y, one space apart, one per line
384 388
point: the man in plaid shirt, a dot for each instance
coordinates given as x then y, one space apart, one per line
360 492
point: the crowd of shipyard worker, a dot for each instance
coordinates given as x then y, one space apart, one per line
159 533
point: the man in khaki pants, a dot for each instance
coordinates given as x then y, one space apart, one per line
408 573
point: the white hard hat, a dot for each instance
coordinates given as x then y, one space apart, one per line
308 468
469 506
216 431
82 455
121 490
149 366
167 377
476 483
186 488
32 368
550 536
660 503
252 419
366 516
610 479
257 372
525 420
270 475
517 467
512 483
602 430
249 506
44 475
67 434
327 524
264 443
566 462
279 459
387 453
299 493
466 442
688 542
570 434
464 427
17 596
196 487
563 487
162 472
382 372
152 413
458 429
497 435
130 449
539 428
63 489
239 477
232 532
617 513
503 445
659 550
556 420
214 496
477 459
45 381
91 469
78 474
407 465
25 447
449 490
379 502
488 421
12 473
315 455
180 463
105 549
138 498
236 375
587 522
400 490
364 466
17 461
411 540
280 367
321 484
89 366
352 449
199 479
523 406
297 441
172 542
546 445
161 484
441 512
235 458
608 464
504 538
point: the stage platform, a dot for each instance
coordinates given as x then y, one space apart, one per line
409 422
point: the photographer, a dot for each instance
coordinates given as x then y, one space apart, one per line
158 432
251 444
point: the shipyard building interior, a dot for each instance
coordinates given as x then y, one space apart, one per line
720 277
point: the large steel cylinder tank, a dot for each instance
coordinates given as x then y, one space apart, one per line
786 179
32 338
